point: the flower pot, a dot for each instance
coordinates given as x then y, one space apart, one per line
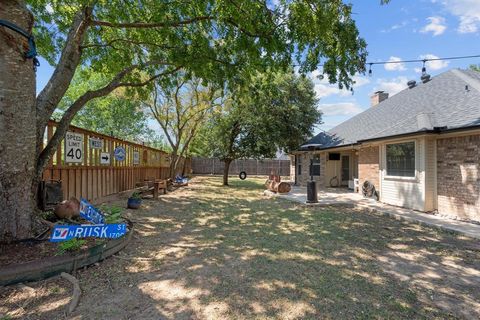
134 203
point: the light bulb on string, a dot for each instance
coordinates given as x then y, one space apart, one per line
424 69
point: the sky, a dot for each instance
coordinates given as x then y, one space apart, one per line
400 30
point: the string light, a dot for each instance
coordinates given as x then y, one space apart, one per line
424 61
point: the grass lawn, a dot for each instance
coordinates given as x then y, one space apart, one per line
212 252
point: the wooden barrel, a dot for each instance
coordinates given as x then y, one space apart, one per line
275 186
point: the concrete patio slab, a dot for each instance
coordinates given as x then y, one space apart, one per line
347 198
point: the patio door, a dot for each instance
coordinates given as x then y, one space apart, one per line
345 169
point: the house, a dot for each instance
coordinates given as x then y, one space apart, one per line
420 148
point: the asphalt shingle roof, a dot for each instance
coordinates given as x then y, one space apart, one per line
443 101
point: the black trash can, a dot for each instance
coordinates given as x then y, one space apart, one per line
312 192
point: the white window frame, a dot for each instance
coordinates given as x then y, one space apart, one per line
402 178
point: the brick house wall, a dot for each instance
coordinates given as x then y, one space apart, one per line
458 177
368 166
292 167
305 175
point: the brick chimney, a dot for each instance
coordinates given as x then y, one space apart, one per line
378 97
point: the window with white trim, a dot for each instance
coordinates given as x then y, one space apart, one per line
315 166
401 159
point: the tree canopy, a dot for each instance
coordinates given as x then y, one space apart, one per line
132 43
271 111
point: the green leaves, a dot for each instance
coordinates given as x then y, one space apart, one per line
118 114
214 40
272 111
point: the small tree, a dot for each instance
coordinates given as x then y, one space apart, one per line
119 114
270 112
180 113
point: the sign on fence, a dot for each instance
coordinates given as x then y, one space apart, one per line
73 147
119 153
136 157
67 232
96 143
90 213
104 158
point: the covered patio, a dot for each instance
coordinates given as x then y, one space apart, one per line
326 196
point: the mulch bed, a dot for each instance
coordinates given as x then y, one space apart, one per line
33 250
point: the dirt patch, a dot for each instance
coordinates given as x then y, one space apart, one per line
212 252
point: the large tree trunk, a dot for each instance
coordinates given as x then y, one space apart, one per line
226 169
173 163
17 126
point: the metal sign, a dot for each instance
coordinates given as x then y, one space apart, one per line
119 153
96 143
136 157
104 158
67 232
73 147
90 213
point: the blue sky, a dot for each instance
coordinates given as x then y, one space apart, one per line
403 29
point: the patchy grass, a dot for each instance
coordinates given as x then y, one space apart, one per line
214 252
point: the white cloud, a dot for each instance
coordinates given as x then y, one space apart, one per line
395 66
392 86
324 89
433 65
436 26
400 25
468 12
340 109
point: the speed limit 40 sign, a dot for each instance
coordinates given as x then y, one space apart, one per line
73 147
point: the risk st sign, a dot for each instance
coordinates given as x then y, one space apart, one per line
67 232
73 147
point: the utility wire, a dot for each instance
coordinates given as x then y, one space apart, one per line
424 60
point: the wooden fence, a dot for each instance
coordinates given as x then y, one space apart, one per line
90 176
250 166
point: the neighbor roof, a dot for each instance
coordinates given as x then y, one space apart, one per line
450 99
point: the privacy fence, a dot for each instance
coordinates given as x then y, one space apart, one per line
250 166
93 165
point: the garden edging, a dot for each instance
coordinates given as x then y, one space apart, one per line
52 266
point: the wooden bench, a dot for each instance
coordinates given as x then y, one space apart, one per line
152 187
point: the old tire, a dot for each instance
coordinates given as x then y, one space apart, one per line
242 175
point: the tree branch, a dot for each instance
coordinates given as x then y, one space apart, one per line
67 117
50 96
148 25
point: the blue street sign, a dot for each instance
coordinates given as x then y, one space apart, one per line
119 153
67 232
90 213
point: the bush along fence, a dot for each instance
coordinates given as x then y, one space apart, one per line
93 165
250 166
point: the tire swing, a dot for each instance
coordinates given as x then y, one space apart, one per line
242 174
368 190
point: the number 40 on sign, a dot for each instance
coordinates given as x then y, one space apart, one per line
73 147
